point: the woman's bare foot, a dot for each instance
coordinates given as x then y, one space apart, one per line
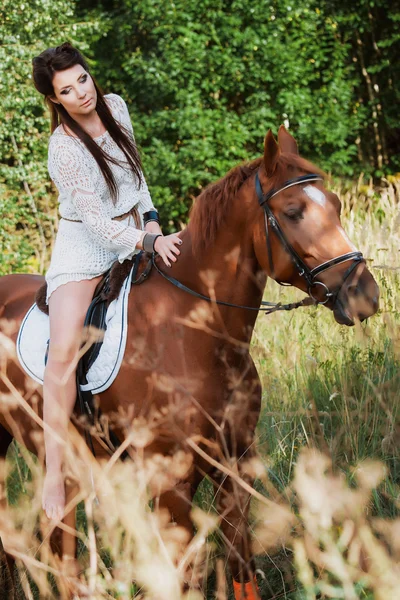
53 498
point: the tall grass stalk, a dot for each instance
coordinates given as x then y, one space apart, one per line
328 445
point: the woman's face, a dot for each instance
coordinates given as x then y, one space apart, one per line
74 89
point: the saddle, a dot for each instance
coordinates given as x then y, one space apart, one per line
105 292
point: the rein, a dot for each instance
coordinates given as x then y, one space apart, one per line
303 270
266 307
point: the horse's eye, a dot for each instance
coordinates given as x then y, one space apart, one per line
294 214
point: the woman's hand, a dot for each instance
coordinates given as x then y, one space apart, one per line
166 247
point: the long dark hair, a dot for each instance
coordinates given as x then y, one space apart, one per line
63 57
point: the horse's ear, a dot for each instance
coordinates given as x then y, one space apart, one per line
271 153
287 143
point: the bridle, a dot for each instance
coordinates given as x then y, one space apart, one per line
302 269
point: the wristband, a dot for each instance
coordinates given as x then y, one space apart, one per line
150 215
149 241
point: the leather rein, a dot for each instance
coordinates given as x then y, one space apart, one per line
303 270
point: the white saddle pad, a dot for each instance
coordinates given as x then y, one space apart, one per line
34 333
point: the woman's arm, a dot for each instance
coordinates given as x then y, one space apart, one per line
73 177
145 201
153 227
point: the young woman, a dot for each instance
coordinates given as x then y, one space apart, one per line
106 215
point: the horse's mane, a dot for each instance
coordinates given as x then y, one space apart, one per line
211 207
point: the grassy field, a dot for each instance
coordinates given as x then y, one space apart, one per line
328 440
336 388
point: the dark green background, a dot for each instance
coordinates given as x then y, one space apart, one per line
204 80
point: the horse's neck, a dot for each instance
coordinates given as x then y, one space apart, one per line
227 271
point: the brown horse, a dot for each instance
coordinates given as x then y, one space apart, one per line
271 217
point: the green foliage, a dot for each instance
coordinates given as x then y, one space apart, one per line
371 29
26 211
204 81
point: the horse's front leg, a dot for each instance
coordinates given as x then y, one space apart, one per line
7 562
69 542
63 544
179 504
233 503
232 498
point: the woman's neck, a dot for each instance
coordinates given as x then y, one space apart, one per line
92 125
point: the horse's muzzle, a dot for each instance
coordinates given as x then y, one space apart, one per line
358 299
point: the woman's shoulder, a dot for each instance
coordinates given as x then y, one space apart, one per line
114 100
64 151
117 106
120 111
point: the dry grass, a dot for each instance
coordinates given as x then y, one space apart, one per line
328 467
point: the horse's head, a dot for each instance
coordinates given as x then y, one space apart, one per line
299 239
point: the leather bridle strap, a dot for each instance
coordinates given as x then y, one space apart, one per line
303 270
263 198
271 221
266 307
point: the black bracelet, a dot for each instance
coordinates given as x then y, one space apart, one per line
149 241
150 215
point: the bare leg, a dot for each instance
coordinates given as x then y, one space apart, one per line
67 309
59 400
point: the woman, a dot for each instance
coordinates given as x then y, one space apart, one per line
104 205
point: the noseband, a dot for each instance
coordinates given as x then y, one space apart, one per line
302 269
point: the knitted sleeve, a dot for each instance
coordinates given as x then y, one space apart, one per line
120 111
73 177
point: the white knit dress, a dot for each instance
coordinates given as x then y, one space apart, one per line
88 249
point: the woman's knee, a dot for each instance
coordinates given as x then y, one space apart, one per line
65 340
62 353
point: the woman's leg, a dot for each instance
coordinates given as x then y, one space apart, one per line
68 305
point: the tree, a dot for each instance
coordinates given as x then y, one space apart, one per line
371 30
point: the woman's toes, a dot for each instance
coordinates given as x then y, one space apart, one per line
54 496
47 510
54 512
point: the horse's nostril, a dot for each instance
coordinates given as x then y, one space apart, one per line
353 290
